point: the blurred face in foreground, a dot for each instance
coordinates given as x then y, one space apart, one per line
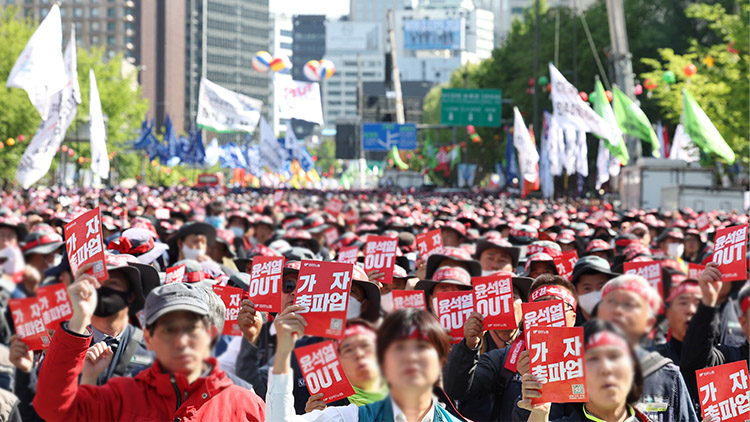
411 365
358 359
179 340
609 377
627 310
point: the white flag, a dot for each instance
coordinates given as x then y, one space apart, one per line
528 157
582 163
298 100
269 148
221 110
683 147
571 150
602 165
99 157
40 69
555 145
569 108
38 156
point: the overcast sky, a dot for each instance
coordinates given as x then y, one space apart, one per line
332 8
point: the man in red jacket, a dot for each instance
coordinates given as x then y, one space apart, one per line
180 386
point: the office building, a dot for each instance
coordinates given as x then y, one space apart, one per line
280 44
376 10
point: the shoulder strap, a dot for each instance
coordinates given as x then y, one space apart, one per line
652 362
135 341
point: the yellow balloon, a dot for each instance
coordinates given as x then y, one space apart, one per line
11 142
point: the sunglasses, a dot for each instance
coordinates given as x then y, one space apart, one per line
288 286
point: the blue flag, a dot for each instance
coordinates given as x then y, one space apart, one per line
172 150
511 168
231 156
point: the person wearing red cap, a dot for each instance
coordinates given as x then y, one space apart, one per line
695 245
453 233
642 232
682 303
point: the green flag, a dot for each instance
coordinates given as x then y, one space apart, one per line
429 153
397 159
602 108
701 131
633 121
455 155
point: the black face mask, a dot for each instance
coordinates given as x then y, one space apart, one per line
110 301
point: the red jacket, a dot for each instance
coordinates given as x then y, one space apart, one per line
151 395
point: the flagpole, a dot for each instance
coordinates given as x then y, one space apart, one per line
536 65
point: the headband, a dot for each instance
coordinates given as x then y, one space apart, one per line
355 330
556 291
641 289
124 245
194 276
607 338
44 240
682 288
413 333
522 233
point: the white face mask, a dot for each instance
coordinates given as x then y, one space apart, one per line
190 253
589 300
386 302
675 250
354 309
57 260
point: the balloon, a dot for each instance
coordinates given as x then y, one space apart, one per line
10 142
280 63
71 152
609 95
2 145
21 137
689 70
532 82
669 77
326 69
638 89
463 145
650 85
261 61
543 80
709 61
584 96
311 70
470 129
529 91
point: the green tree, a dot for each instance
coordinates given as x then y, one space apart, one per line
722 81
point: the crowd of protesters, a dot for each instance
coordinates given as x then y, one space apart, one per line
136 348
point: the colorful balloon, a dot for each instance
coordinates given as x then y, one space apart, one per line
584 96
543 80
280 63
470 129
689 70
638 90
10 142
669 77
261 61
326 69
650 85
609 95
311 70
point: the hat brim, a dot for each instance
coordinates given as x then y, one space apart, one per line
429 285
372 294
152 255
148 280
523 284
513 251
44 249
21 231
587 269
475 268
133 277
188 307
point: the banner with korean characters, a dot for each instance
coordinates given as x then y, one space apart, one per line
723 392
547 313
29 323
323 372
83 241
429 243
556 358
380 255
493 298
265 283
453 309
175 274
334 207
695 271
232 298
651 271
323 289
348 255
565 263
730 250
55 304
403 299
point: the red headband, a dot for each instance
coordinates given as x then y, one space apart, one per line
355 330
124 245
194 277
556 291
414 333
44 240
682 288
632 286
606 338
521 233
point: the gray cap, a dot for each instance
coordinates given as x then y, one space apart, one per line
216 306
174 297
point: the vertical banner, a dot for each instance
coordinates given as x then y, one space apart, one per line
232 298
83 241
265 283
723 392
323 289
29 323
429 243
556 356
730 251
403 299
323 372
380 255
493 298
454 309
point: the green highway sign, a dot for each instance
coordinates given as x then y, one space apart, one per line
478 107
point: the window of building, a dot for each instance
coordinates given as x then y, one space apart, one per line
44 12
285 33
94 26
94 12
110 40
110 26
79 26
78 12
111 54
94 40
111 12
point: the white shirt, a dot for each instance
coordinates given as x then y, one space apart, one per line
280 406
228 359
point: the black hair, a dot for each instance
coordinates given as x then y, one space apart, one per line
400 324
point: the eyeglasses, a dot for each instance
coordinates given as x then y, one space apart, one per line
348 351
169 332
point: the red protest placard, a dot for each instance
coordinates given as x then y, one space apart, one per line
175 274
83 241
29 323
702 222
323 288
493 298
331 234
351 216
453 310
565 263
380 255
232 298
334 207
730 249
348 254
429 243
261 249
547 313
535 249
265 283
403 299
695 271
55 304
650 270
556 357
723 392
322 371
